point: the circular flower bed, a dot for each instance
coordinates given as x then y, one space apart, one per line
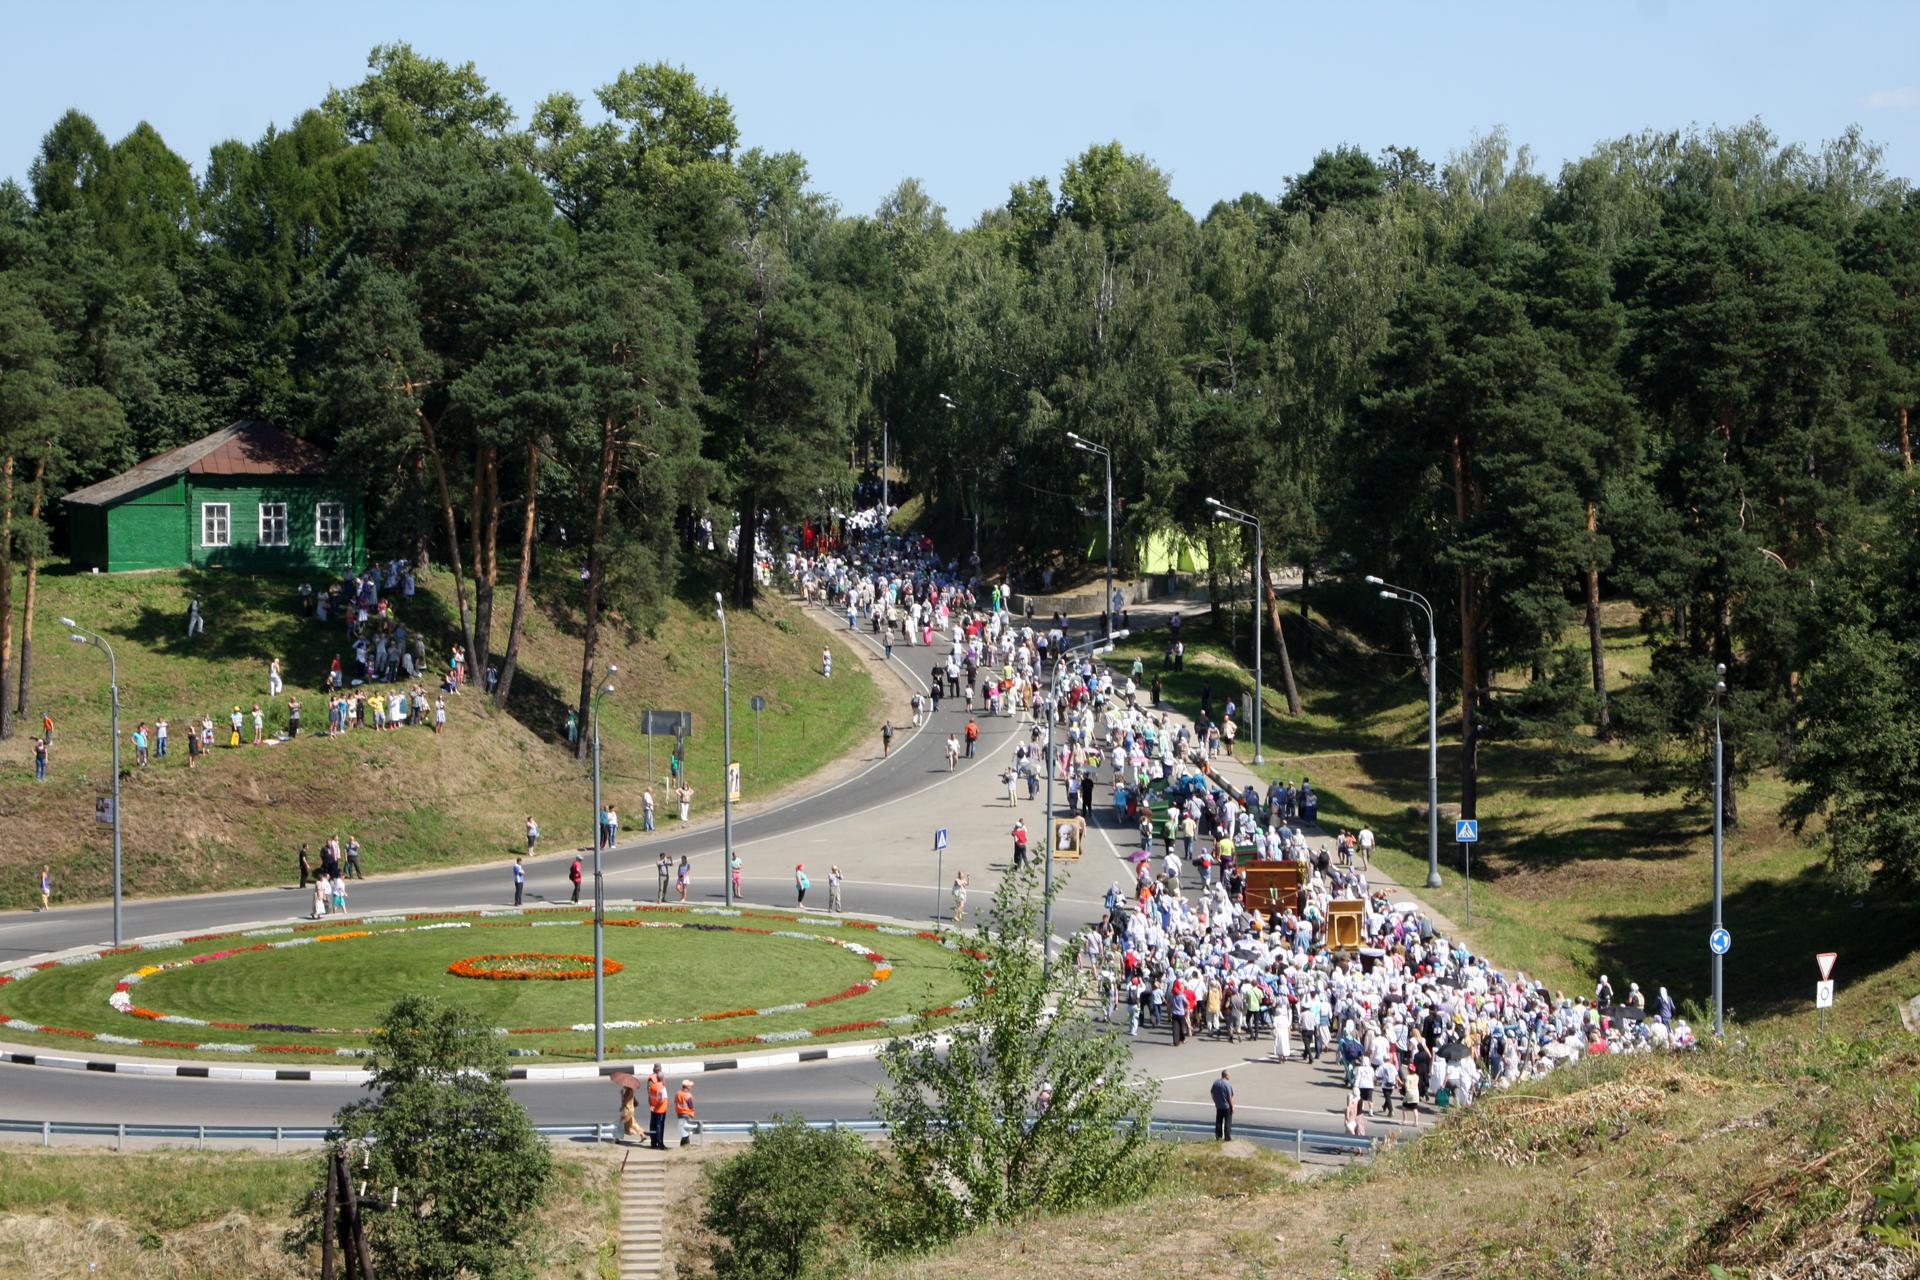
531 966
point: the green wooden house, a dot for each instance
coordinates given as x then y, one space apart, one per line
249 496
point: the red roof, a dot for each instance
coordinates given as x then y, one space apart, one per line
249 447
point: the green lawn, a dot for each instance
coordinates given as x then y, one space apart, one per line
413 799
1579 871
309 998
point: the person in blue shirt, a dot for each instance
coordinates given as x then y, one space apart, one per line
519 882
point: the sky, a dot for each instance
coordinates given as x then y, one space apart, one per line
970 98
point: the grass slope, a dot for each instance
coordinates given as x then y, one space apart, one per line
170 1215
1579 871
412 800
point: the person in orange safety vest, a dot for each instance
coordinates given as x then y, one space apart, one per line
657 1106
683 1109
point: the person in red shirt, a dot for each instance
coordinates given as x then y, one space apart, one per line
657 1109
972 735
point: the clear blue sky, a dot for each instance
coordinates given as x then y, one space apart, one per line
970 97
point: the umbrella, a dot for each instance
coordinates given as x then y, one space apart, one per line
1456 1051
1407 908
1138 855
626 1079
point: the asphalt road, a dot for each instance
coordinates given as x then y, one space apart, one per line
876 822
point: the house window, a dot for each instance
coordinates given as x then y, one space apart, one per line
214 524
330 524
273 524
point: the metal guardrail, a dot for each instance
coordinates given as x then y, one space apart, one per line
1300 1141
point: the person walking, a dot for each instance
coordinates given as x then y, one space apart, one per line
273 678
574 875
646 809
734 870
1019 844
46 887
953 752
1222 1092
40 759
519 882
46 727
656 1110
972 733
439 714
305 867
533 834
959 899
195 623
1283 1028
353 858
684 1123
663 872
322 893
683 875
800 883
834 881
886 739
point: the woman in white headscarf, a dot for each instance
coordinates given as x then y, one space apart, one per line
1283 1027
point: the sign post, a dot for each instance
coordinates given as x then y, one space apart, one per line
675 724
939 868
1823 989
759 705
1466 833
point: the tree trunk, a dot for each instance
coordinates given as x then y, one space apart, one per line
422 527
6 590
1906 441
603 484
1602 721
1469 644
527 526
453 533
1213 576
1413 643
743 579
1280 640
486 519
33 583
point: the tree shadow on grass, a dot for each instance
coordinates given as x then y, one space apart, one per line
1778 927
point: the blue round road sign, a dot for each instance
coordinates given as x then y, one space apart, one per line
1720 942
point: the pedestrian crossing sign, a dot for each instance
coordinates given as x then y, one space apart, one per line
1466 831
939 839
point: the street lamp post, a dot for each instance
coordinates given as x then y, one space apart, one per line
726 751
599 885
1106 454
1053 699
81 635
1410 597
948 403
1719 780
1222 511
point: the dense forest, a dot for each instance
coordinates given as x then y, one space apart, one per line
1679 372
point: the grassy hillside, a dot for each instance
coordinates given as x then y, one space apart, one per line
223 1216
412 799
1579 871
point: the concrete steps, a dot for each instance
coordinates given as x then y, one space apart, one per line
643 1208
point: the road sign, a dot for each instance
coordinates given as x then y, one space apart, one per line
1720 942
1825 960
1823 994
939 839
1466 830
103 810
759 703
673 724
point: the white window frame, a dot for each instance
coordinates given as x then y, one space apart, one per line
320 512
267 510
207 510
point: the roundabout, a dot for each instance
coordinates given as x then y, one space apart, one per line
678 980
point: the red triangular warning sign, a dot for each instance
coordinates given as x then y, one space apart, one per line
1825 960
